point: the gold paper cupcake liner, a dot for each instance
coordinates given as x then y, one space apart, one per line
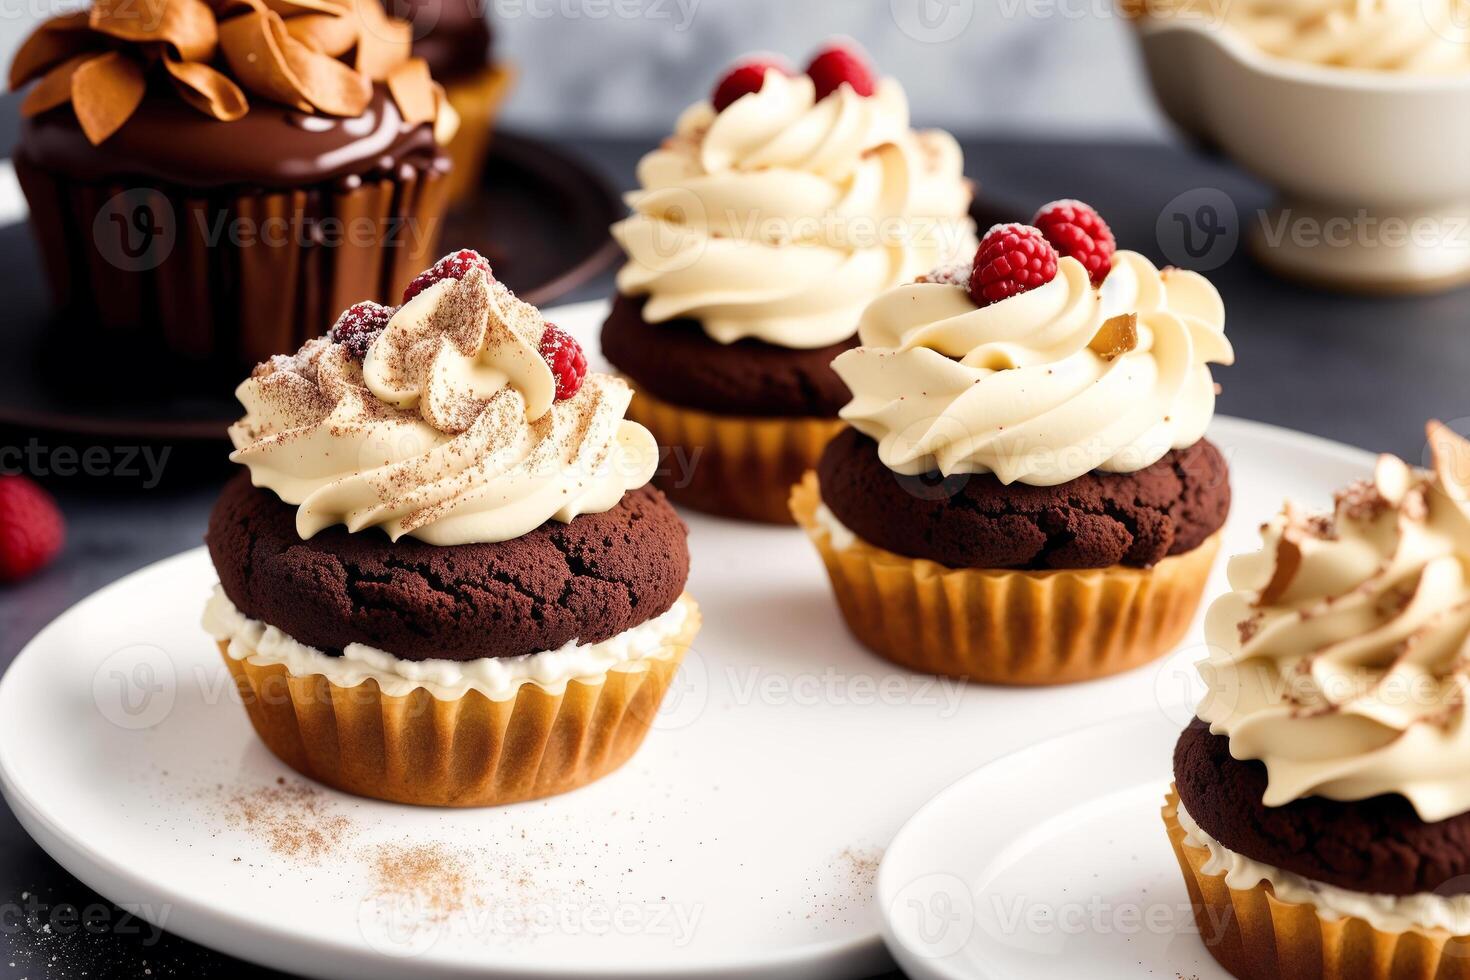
231 276
477 100
732 465
1256 936
469 751
1008 627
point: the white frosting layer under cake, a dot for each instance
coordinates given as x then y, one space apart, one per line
498 678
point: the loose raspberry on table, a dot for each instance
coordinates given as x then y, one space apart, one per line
359 325
1012 259
32 529
1076 229
838 63
455 265
565 358
744 79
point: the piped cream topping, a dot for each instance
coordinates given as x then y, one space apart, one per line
1341 658
1427 37
448 430
1044 386
782 216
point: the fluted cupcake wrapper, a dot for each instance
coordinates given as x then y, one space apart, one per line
1256 936
732 465
232 276
469 751
1004 626
477 100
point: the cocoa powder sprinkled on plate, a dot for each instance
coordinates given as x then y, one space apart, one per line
294 819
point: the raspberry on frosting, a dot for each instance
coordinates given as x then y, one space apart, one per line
359 325
1012 259
455 265
565 358
839 63
746 78
1076 229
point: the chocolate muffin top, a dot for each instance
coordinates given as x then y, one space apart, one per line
1377 845
679 363
975 521
586 580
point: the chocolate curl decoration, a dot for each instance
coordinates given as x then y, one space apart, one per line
270 62
413 90
186 25
299 53
383 43
57 40
207 90
105 91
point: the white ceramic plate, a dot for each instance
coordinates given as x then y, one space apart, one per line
1050 862
743 838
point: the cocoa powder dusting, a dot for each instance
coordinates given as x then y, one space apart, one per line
294 819
433 875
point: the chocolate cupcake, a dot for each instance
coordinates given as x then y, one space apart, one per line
1321 806
217 181
443 579
762 228
1025 495
455 38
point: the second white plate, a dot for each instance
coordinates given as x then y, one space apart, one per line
1051 862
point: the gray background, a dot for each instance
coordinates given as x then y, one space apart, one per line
618 66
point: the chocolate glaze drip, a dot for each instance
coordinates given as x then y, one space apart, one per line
272 146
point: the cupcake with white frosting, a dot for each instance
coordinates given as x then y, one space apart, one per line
1321 811
761 229
443 577
1025 494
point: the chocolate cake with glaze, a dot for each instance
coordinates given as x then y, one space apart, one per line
217 182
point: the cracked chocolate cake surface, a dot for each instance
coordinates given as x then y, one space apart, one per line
975 521
680 364
584 581
1377 845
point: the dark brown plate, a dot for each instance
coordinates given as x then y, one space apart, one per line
541 216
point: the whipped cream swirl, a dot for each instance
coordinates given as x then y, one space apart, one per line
1427 37
1342 658
781 217
448 430
1044 386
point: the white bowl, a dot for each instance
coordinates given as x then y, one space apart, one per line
1372 168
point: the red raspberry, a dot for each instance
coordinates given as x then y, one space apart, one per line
744 79
359 325
565 357
1076 229
836 64
455 265
1012 259
31 528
